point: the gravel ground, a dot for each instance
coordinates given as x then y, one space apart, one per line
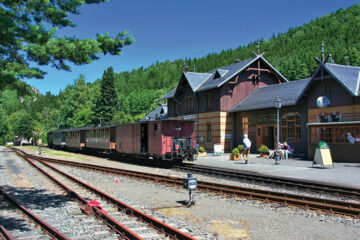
42 197
213 216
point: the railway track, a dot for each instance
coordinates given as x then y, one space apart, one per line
33 226
314 203
312 186
127 222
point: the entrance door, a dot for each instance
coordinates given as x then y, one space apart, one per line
144 137
265 135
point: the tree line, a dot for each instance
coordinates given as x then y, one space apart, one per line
135 93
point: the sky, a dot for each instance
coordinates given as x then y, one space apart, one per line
172 29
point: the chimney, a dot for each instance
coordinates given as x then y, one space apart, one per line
237 60
258 48
323 52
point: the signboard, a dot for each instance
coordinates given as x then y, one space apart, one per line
323 157
187 117
322 102
228 135
218 149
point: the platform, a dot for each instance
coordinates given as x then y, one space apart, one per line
347 174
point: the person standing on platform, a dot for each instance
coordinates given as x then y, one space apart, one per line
350 138
247 145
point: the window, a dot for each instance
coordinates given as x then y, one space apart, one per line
245 124
208 130
189 104
207 102
291 127
155 126
333 134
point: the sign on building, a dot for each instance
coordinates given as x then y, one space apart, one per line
218 149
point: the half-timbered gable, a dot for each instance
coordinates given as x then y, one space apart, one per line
207 96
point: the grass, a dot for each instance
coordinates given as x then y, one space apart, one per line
177 212
229 230
57 153
225 230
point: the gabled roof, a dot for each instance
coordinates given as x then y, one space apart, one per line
170 94
204 81
264 97
196 79
159 113
347 76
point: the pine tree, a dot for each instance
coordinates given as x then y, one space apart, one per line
107 102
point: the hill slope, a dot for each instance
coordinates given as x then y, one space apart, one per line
292 53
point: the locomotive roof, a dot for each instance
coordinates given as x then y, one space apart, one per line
115 125
85 128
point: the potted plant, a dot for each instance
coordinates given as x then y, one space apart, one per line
241 148
202 152
235 154
263 149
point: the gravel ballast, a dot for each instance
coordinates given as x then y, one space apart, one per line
213 213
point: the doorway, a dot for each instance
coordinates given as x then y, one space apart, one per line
265 135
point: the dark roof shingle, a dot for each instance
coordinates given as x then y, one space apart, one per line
348 76
264 97
204 81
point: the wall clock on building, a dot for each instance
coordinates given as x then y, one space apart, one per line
322 102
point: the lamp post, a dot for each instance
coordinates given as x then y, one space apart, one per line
277 104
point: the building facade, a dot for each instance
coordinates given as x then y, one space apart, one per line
238 99
208 97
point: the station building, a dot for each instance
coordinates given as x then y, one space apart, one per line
208 97
239 99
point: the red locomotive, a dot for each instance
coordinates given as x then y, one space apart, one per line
159 140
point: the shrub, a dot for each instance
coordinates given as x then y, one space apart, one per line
241 147
202 149
263 149
235 152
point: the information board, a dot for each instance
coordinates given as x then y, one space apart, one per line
218 149
323 157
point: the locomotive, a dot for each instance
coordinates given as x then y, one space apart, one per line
165 139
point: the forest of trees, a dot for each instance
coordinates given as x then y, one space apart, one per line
138 91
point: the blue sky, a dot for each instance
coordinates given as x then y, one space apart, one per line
173 29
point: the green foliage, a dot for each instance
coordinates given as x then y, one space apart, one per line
240 147
27 38
22 124
263 149
235 152
3 127
106 103
202 149
138 91
76 104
